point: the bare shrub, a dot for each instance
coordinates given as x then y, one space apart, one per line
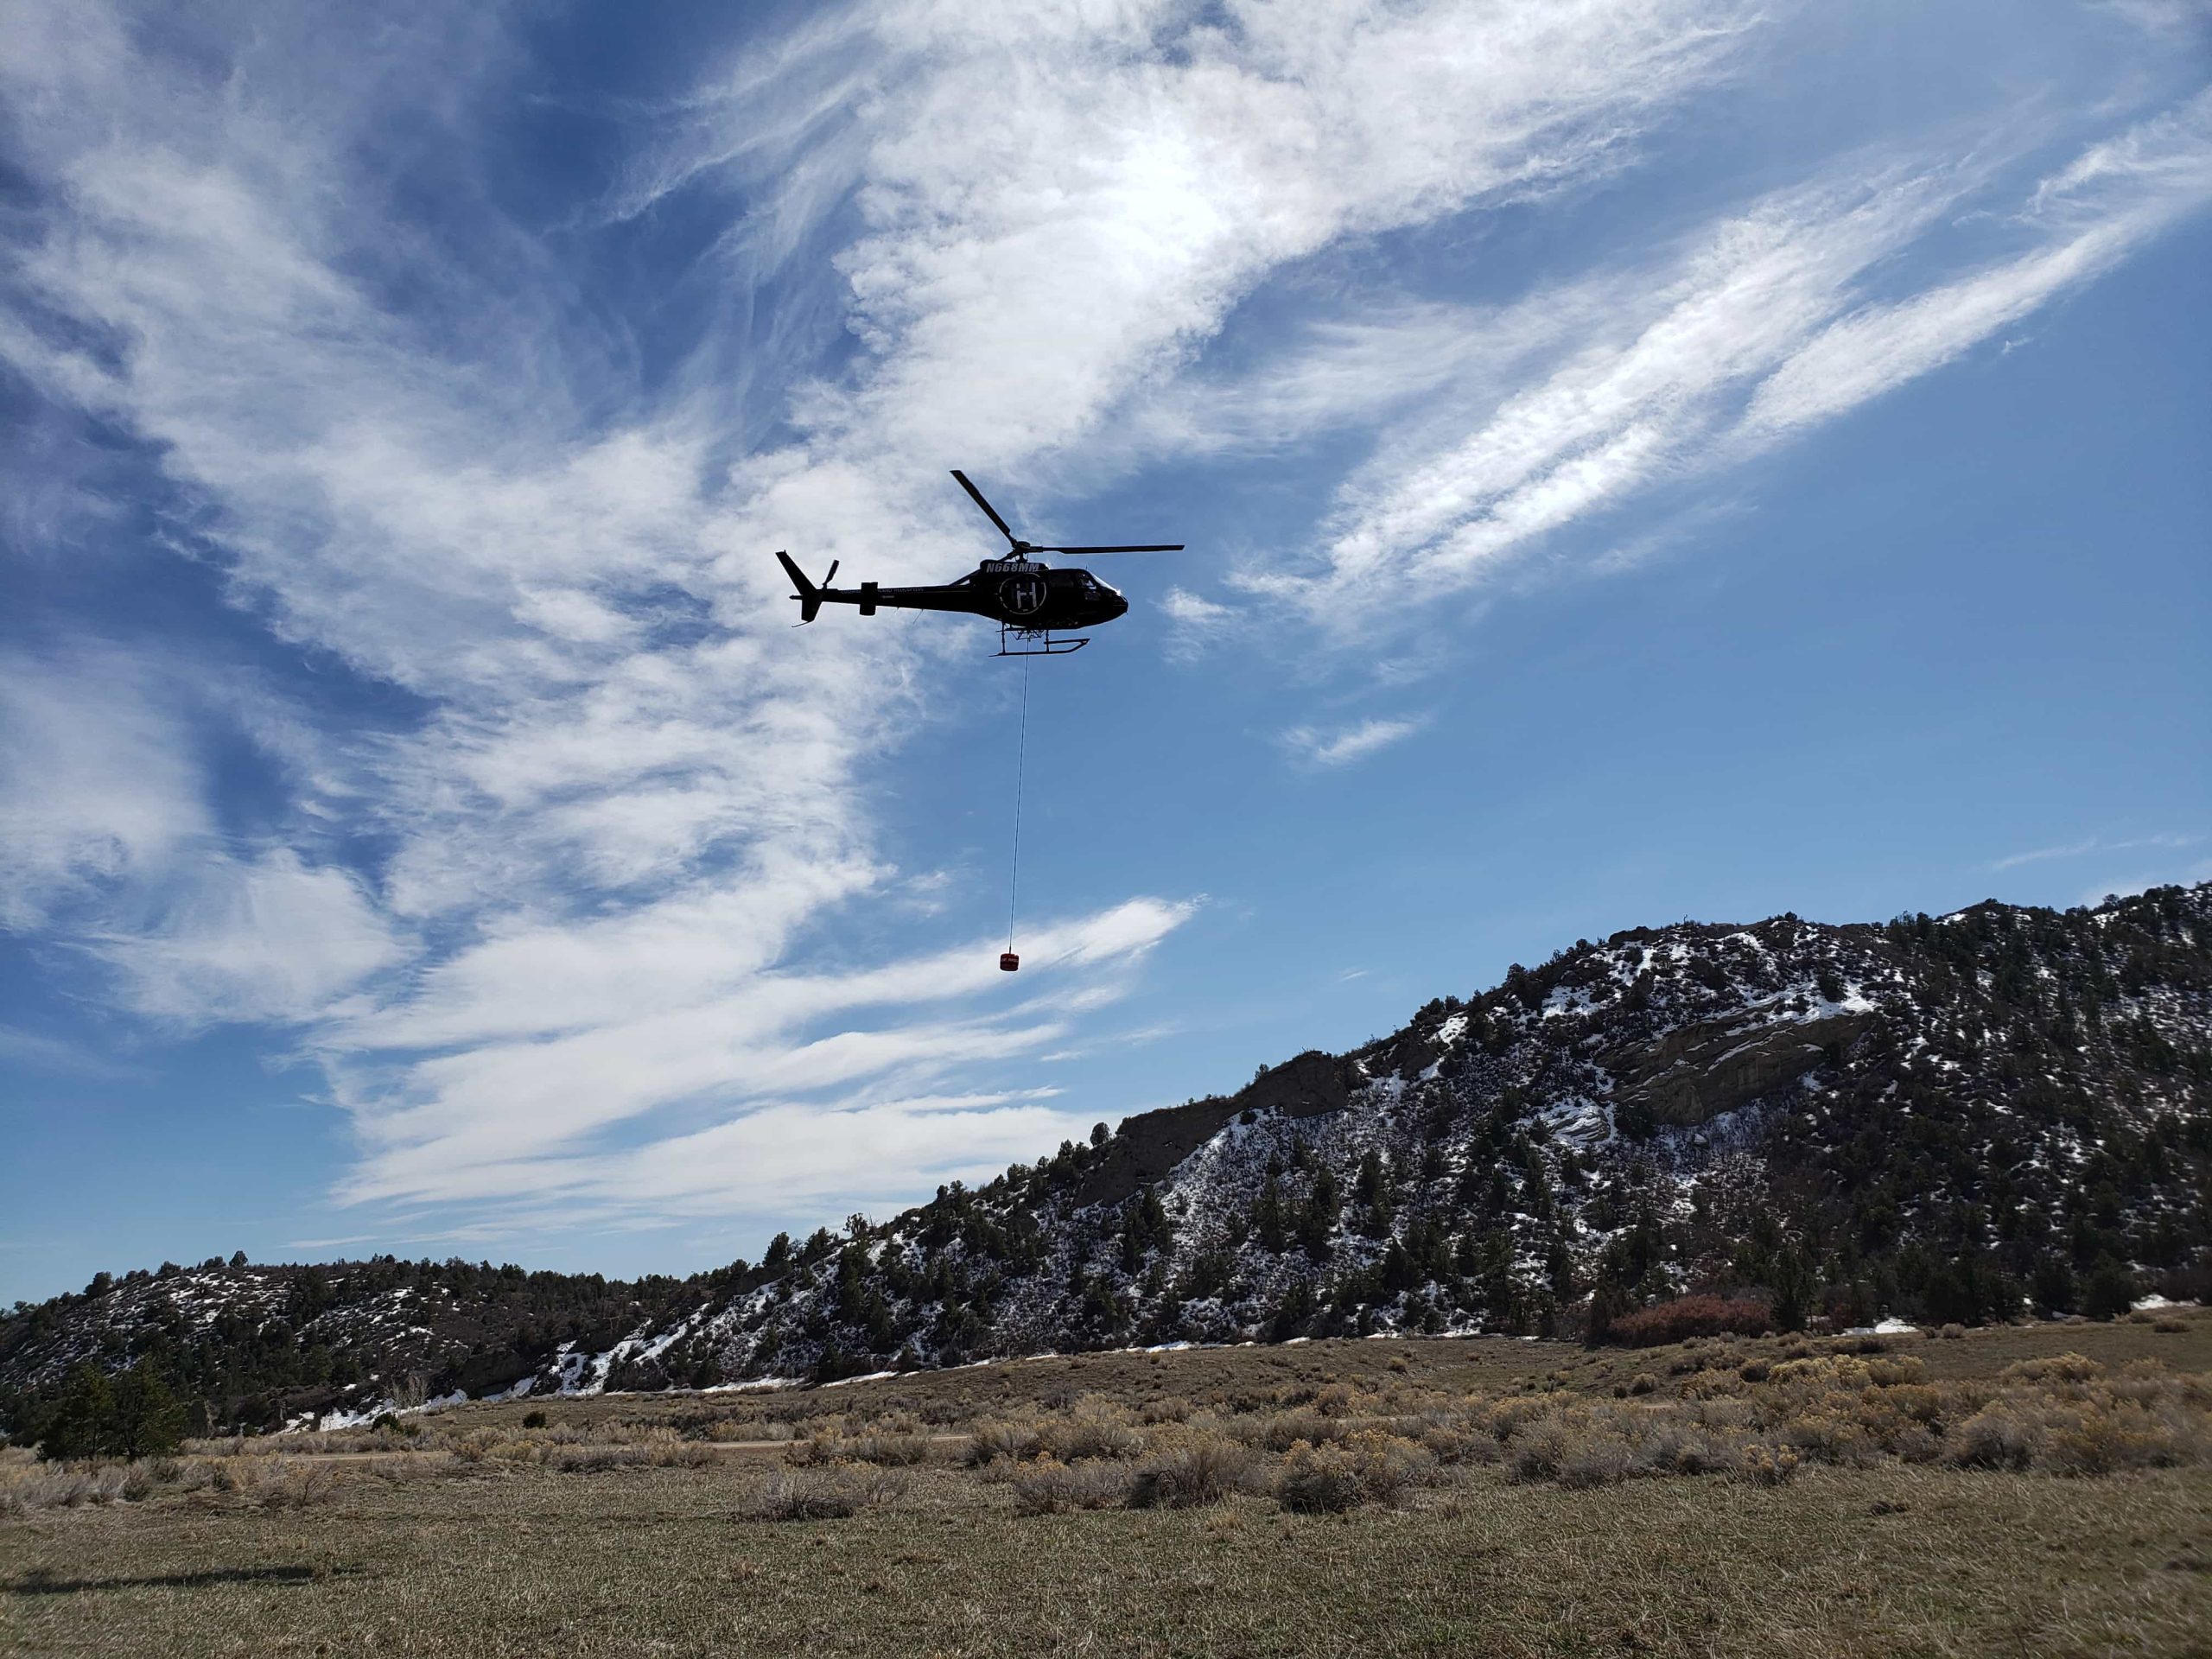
1600 1460
817 1451
1538 1450
996 1440
61 1487
1768 1465
1371 1467
1207 1469
2052 1368
1830 1432
1642 1383
1453 1440
403 1472
1505 1418
1097 1429
1994 1438
1050 1487
1280 1430
2097 1433
1917 1445
823 1494
235 1475
296 1487
1338 1399
1683 1449
1918 1401
1320 1480
893 1451
682 1454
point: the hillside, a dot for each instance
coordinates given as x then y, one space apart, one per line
1952 1120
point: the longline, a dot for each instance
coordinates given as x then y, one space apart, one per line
1021 761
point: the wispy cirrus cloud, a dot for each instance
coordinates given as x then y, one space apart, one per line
1343 746
1194 623
490 1119
269 938
2090 844
1761 325
98 781
38 1053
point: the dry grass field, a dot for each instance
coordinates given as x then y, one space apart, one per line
2029 1490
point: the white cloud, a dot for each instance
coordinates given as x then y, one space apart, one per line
272 939
99 780
2115 195
496 1118
1193 623
1141 172
43 1054
2092 844
1342 747
1759 328
784 1156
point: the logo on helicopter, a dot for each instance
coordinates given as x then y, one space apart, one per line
1022 595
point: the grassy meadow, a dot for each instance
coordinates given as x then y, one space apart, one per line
2041 1490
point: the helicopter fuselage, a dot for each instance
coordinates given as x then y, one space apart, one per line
1017 593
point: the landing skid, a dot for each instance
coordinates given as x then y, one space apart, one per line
1035 642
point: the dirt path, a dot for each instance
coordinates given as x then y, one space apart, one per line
742 1447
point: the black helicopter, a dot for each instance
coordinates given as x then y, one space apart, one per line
1027 599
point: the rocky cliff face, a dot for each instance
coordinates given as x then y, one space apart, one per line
1950 1118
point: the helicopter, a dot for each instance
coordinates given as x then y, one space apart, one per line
1027 599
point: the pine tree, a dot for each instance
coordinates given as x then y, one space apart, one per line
1267 1224
1793 1289
82 1419
147 1418
2110 1292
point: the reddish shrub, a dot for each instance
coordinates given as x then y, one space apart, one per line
1691 1316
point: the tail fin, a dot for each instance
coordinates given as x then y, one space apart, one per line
808 596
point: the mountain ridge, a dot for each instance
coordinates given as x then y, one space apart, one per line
1961 1118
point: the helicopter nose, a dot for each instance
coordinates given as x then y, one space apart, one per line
1120 605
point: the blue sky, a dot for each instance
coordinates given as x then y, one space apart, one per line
1640 459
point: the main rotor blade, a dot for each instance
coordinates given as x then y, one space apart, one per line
988 509
1148 547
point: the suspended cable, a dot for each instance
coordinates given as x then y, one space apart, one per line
1009 961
